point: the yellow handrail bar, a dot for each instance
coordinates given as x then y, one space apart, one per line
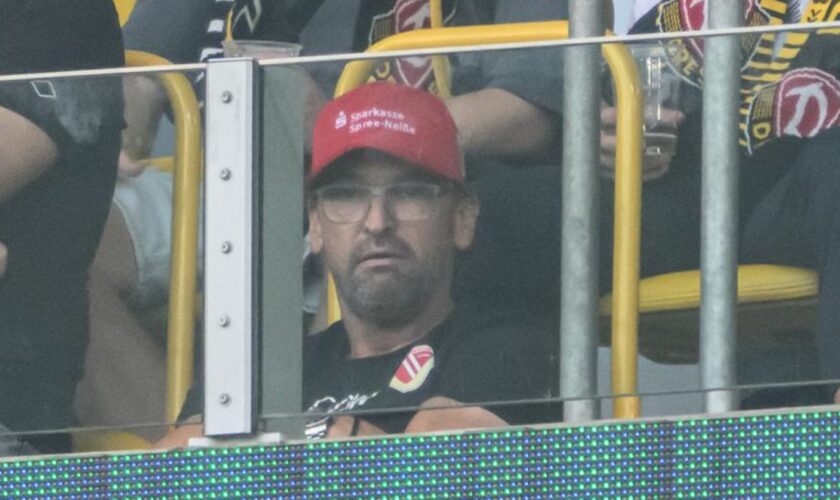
628 181
626 230
440 64
124 9
186 187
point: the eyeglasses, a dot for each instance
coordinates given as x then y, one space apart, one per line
404 201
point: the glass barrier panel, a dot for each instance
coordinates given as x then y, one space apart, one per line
434 319
86 236
490 349
495 352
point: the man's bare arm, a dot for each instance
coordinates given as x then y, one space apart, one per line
451 415
144 103
181 435
443 414
497 124
26 152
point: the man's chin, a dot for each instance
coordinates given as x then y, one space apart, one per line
378 276
380 289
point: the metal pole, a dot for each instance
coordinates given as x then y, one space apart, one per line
230 253
579 240
719 223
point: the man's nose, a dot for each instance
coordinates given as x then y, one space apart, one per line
378 217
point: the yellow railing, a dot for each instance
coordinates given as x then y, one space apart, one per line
185 205
628 181
124 9
440 64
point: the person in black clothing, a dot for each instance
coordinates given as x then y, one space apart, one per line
788 176
388 212
58 155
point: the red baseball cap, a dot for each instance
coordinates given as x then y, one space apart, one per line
401 121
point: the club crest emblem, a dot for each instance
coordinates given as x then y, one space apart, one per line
807 102
414 369
412 15
694 15
407 15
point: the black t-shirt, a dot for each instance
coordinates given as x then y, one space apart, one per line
52 226
471 358
790 85
182 31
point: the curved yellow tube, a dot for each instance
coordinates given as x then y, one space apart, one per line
628 182
357 72
333 306
440 64
626 231
186 187
124 9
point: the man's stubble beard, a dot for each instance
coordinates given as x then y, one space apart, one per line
395 299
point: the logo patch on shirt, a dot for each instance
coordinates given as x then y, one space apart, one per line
414 369
807 102
803 103
407 15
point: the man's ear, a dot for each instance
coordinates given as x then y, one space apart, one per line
316 239
466 216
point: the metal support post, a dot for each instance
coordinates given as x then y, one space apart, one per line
579 241
231 257
719 225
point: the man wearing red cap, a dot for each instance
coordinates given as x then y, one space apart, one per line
388 212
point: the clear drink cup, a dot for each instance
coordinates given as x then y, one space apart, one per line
661 90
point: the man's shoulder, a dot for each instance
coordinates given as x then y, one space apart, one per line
497 334
498 323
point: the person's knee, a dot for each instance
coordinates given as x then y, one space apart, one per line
115 257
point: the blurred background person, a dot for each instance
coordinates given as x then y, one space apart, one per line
58 157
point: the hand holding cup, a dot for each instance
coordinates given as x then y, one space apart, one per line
661 91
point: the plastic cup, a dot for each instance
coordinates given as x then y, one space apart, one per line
260 49
661 89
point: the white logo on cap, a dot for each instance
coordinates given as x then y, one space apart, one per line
340 120
374 118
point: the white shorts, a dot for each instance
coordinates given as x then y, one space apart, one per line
146 204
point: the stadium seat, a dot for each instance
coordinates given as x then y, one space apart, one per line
775 303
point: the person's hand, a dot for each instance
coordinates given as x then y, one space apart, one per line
4 259
180 436
654 165
342 426
130 167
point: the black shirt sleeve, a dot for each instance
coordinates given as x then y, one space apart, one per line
180 31
535 75
43 35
